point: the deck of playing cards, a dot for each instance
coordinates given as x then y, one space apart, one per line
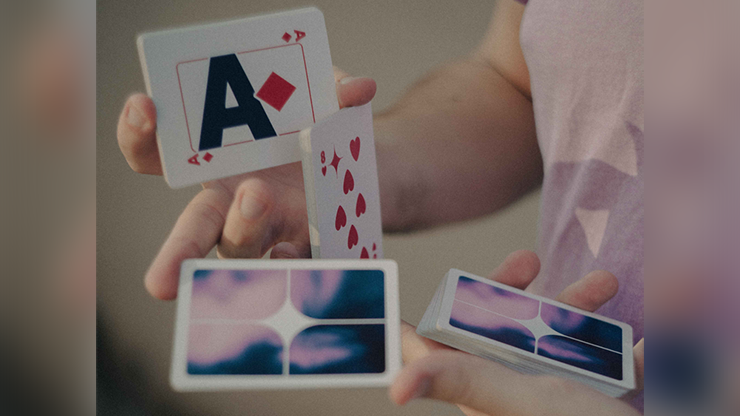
340 175
286 324
530 333
231 97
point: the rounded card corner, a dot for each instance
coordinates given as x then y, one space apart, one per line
174 184
455 272
176 384
391 265
188 264
314 9
141 38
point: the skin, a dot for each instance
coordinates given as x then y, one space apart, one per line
244 215
484 103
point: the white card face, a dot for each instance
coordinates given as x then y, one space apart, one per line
286 324
537 328
343 180
232 97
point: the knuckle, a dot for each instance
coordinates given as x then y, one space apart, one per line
225 250
136 152
189 248
137 147
239 238
209 213
233 243
254 189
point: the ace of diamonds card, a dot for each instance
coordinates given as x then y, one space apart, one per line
232 97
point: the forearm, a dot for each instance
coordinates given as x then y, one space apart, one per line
459 144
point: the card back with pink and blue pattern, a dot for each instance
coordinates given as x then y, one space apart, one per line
530 333
251 324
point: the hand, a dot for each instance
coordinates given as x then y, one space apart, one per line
482 387
245 215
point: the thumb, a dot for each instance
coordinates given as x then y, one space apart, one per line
352 91
494 389
248 221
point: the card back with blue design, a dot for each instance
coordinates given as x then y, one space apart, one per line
280 324
530 333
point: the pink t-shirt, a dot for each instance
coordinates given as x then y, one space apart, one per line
585 60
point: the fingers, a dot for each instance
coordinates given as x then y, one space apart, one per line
518 269
269 209
591 292
351 91
493 389
467 380
196 232
136 135
285 250
245 232
464 379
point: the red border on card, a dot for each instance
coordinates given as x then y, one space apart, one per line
182 97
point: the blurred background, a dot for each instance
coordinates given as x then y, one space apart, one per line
47 207
394 42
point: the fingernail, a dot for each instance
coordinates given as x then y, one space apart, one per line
347 80
135 117
252 208
285 251
422 389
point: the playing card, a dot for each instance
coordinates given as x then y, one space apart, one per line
530 333
340 175
284 324
231 97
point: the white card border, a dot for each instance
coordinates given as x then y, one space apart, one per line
184 382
